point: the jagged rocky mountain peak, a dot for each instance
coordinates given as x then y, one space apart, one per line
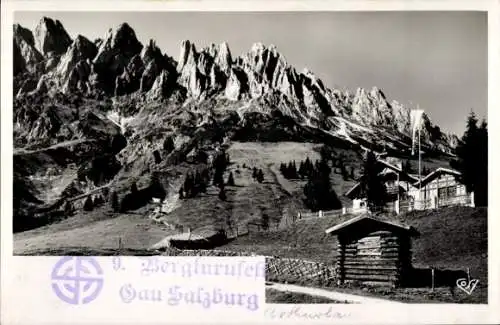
74 68
221 55
51 37
377 93
187 54
26 56
24 34
83 48
120 40
98 41
151 52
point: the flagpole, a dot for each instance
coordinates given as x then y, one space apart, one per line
398 190
419 165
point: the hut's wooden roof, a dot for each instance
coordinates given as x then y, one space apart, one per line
369 221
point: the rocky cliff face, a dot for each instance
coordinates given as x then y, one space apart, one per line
260 80
51 39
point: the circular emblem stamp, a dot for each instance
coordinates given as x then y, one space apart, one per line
77 280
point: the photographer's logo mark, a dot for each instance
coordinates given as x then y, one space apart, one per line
466 285
77 280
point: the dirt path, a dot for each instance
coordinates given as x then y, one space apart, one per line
22 151
339 296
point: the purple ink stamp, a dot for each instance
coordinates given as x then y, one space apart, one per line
77 280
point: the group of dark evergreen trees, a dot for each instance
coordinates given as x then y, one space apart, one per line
307 168
198 181
89 203
289 171
472 159
318 191
195 183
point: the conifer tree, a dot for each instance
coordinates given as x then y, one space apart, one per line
230 180
133 188
115 205
105 193
157 156
372 184
88 205
301 171
265 221
168 145
68 209
222 193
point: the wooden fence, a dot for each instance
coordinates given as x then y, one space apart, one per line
321 214
281 269
278 269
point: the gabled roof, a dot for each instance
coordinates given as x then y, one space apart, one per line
367 218
396 169
391 166
436 173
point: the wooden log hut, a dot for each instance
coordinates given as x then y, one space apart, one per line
373 251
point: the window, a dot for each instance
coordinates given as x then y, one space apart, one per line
447 192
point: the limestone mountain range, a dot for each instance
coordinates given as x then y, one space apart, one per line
48 61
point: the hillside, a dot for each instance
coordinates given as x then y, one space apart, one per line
450 238
246 201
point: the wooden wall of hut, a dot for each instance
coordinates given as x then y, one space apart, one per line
381 257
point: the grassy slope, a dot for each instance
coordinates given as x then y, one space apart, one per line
450 238
97 229
246 201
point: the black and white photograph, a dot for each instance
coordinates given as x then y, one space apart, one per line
350 148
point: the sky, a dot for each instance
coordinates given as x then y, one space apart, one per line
436 60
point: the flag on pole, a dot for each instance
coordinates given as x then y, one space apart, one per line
416 123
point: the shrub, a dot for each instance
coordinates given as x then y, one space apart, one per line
168 145
260 176
98 201
254 173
